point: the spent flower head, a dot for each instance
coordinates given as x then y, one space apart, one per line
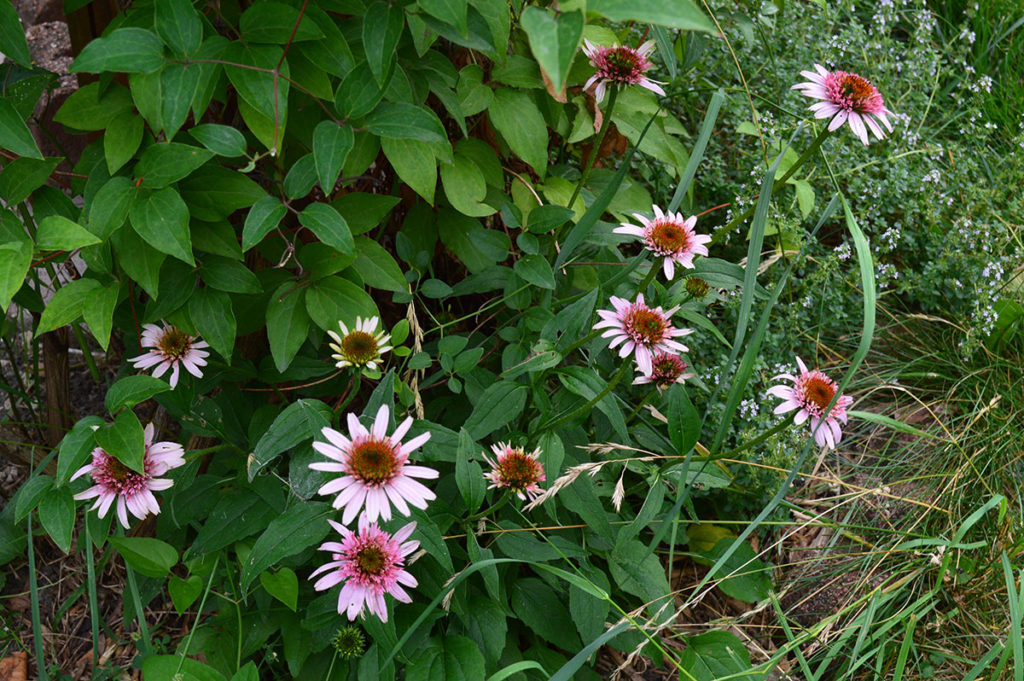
641 329
132 491
619 65
374 467
670 236
362 346
810 395
669 369
846 98
171 348
515 469
371 563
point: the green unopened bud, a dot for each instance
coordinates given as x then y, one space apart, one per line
349 642
697 287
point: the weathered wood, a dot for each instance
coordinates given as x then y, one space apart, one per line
59 417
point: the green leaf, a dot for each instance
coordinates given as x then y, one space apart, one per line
469 476
131 390
540 608
122 140
216 238
161 218
297 529
282 585
222 140
472 94
247 672
22 176
123 439
138 259
357 95
683 420
30 494
98 311
716 655
382 29
184 592
12 36
90 108
743 575
377 267
449 11
331 144
520 122
225 274
66 305
402 120
145 555
332 299
15 260
178 668
110 207
14 133
129 50
76 447
465 187
264 93
681 14
498 405
275 22
363 211
448 658
179 84
162 164
414 163
264 216
328 226
214 192
300 178
179 25
57 233
543 219
287 323
57 516
804 196
536 270
301 420
553 40
638 571
214 318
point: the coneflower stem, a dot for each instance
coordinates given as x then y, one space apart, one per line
590 404
605 124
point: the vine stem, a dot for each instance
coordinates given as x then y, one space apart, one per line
605 124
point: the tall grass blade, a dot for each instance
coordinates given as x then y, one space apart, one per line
1015 634
697 154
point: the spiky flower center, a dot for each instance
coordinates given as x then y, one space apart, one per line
114 476
668 367
518 470
372 560
855 87
174 343
853 93
359 347
819 391
373 461
644 325
667 237
623 63
349 642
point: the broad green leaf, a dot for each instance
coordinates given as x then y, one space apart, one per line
179 25
211 312
536 270
363 211
681 14
637 571
276 22
214 192
543 219
147 556
15 260
57 233
222 140
520 122
110 207
406 121
89 108
683 420
328 226
331 144
287 323
264 216
225 274
553 40
414 162
12 37
29 494
22 176
716 655
804 196
66 305
147 95
178 86
451 658
76 447
161 218
98 311
500 403
131 390
465 187
129 50
449 11
122 139
184 592
382 29
301 177
357 95
123 439
178 668
217 238
469 477
297 529
57 515
139 260
333 299
472 94
301 420
247 672
162 164
540 608
377 267
743 576
282 585
14 133
263 92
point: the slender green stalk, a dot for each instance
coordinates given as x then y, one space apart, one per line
651 274
89 361
33 587
605 124
133 588
749 444
90 570
590 404
488 511
199 612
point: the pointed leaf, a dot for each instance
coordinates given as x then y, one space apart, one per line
57 233
161 218
123 439
553 40
129 50
331 144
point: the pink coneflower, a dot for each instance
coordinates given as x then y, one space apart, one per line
811 393
619 64
371 563
362 346
171 348
516 469
132 490
670 236
374 464
643 330
668 370
847 98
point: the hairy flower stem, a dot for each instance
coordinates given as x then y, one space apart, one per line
605 124
597 398
780 184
